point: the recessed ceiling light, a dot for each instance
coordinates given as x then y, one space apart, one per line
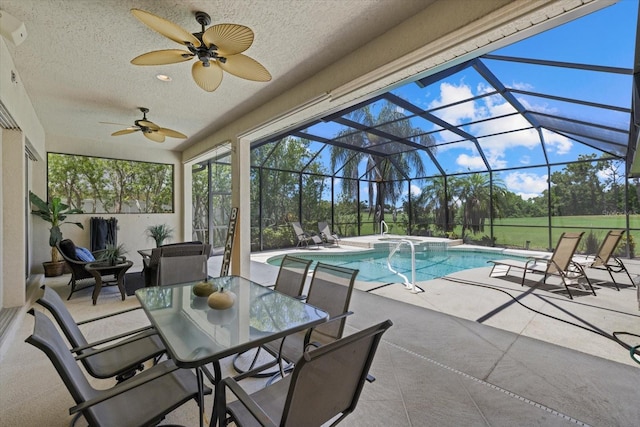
163 77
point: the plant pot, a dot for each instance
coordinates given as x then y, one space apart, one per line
53 268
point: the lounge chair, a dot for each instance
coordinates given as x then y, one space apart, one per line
325 386
79 274
560 264
303 237
327 236
606 260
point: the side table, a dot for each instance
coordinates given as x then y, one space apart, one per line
100 269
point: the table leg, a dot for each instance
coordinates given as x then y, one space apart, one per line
217 416
121 274
200 395
98 287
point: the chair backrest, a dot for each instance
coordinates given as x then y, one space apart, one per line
323 228
609 244
178 249
292 275
67 249
181 269
327 381
566 247
47 338
330 290
297 228
52 302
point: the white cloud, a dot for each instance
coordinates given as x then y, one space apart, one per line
526 184
470 162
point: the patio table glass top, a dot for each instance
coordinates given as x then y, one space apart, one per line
196 334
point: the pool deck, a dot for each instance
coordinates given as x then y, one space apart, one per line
534 310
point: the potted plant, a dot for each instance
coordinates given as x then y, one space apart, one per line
159 233
112 254
55 212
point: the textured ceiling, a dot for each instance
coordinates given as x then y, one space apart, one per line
75 64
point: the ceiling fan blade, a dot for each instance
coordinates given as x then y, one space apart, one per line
112 123
162 57
208 78
148 124
230 39
166 28
124 132
172 133
247 68
154 136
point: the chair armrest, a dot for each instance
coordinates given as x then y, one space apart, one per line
106 316
122 388
148 329
248 403
307 337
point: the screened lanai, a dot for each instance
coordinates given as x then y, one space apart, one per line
507 149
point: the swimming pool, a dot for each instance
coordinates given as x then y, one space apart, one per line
430 264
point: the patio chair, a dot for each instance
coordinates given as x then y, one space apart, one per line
303 237
327 236
606 260
330 290
290 281
181 269
143 400
79 274
150 269
560 264
123 355
326 383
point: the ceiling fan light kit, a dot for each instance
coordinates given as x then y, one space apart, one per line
218 48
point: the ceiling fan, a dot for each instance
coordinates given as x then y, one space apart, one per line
150 129
217 48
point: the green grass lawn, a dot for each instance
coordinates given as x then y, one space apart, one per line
515 232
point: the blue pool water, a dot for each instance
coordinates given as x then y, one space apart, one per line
430 264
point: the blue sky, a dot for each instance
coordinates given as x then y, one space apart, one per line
605 37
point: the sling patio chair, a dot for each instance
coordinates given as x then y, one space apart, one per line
606 260
560 264
326 383
330 290
150 263
143 400
181 269
327 236
120 356
290 281
303 237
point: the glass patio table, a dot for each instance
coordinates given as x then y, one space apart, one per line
196 335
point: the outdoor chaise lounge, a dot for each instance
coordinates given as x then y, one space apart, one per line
560 264
606 260
303 237
327 236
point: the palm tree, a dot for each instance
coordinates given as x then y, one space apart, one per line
386 169
440 200
476 200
